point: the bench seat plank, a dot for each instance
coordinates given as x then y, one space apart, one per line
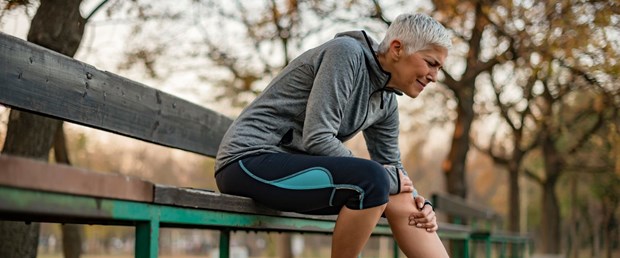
203 199
31 174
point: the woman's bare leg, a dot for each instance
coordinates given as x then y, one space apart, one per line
413 241
353 229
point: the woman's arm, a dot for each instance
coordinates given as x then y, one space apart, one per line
332 87
382 142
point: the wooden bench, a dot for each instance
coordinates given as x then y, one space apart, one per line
37 80
484 225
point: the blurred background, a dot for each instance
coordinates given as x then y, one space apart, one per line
524 119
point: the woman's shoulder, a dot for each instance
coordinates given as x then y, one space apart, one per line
345 45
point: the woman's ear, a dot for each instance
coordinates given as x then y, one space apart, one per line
396 48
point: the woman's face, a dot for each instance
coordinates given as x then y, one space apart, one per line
411 73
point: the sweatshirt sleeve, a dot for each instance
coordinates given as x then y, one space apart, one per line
332 87
382 143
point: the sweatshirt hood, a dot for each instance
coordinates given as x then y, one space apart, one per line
379 77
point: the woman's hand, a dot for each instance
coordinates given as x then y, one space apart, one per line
406 186
425 218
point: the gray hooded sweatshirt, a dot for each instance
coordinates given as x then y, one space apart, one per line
320 100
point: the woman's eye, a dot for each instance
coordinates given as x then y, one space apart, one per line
433 65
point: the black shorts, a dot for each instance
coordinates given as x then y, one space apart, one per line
306 184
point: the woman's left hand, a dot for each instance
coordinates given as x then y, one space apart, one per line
425 217
406 185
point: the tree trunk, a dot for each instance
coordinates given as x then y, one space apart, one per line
454 165
550 222
27 135
608 225
464 91
550 217
72 240
71 233
57 25
284 245
514 202
575 221
18 239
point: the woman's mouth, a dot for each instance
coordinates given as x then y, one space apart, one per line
421 84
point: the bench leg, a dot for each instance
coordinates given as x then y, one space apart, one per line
147 239
466 248
503 250
487 247
224 243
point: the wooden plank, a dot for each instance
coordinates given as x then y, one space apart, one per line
203 199
30 174
36 79
458 206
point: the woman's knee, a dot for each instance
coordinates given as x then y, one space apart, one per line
374 179
402 204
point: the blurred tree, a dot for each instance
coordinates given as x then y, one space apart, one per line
565 125
594 186
512 83
59 26
523 32
246 50
469 21
559 70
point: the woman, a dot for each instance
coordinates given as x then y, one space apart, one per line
286 151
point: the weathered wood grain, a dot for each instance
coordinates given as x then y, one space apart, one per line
36 79
203 199
31 174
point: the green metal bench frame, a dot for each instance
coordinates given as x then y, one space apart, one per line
147 218
489 233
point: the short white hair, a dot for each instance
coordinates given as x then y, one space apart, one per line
417 32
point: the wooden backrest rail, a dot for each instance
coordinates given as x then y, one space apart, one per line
38 80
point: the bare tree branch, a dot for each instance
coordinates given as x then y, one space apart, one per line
449 81
502 107
378 13
587 134
533 176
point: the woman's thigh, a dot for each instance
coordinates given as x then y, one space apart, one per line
305 183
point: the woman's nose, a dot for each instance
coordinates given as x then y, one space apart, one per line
432 76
